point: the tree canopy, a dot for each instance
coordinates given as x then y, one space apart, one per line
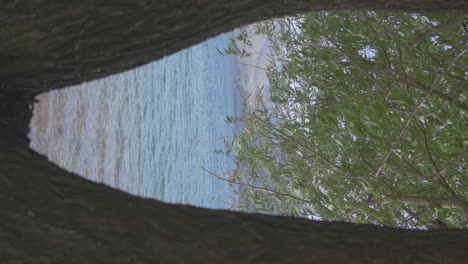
365 121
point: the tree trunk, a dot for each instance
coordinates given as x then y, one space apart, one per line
50 44
48 215
51 216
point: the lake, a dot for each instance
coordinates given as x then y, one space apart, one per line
148 131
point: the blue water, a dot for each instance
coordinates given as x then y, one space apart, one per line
148 131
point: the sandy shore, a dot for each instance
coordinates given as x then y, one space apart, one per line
252 75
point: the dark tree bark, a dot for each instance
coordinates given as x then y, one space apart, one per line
50 44
51 216
48 215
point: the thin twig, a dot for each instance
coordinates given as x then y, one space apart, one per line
320 156
400 57
447 187
450 203
429 90
454 21
403 131
444 169
426 143
454 61
258 188
253 66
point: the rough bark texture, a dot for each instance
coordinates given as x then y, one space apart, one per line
51 216
48 215
48 44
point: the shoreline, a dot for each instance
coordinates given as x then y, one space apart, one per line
248 72
252 75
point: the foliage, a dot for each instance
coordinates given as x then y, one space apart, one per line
366 121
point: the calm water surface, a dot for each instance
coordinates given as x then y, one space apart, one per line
148 131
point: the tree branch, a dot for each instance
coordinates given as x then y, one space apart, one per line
282 134
258 188
428 90
451 203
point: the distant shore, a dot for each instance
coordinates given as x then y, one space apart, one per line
252 75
